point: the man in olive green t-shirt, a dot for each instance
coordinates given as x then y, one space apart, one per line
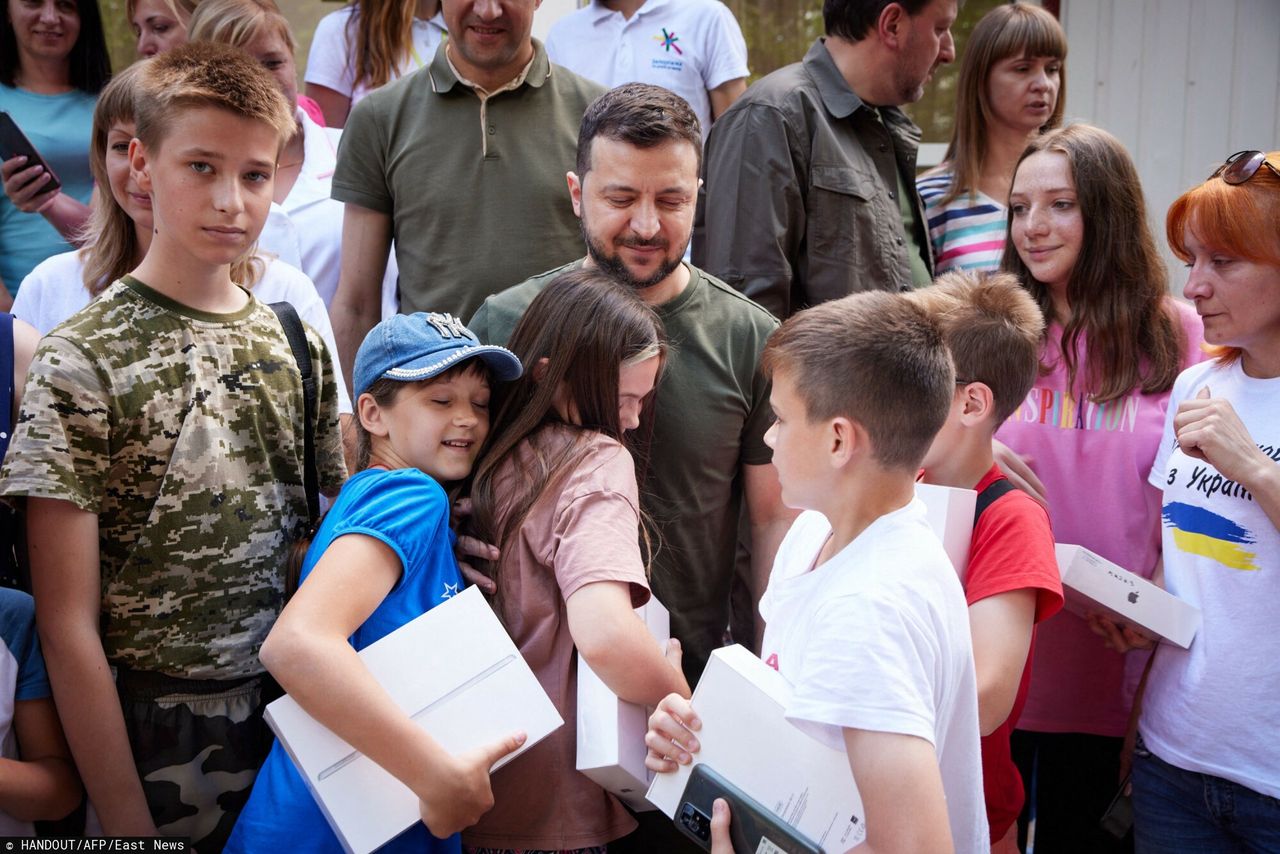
463 164
635 187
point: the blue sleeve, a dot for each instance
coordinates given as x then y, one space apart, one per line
18 634
408 511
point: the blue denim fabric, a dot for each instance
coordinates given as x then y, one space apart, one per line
1185 812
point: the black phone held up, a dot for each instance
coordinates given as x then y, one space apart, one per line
14 143
753 828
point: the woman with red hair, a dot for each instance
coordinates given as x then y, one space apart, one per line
1206 774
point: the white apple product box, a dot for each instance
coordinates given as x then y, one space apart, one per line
746 737
949 511
1092 583
457 673
611 731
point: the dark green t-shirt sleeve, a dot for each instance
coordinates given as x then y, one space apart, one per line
360 176
759 419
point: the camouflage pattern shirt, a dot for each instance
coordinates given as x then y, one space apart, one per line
182 431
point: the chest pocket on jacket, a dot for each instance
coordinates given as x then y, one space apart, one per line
841 216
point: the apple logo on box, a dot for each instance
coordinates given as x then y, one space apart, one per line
1133 597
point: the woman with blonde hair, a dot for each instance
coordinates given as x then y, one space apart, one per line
159 25
312 225
367 45
1011 88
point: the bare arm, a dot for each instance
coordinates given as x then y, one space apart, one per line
618 646
1001 626
63 544
357 304
308 653
24 185
42 785
1209 429
723 96
335 105
25 341
770 519
892 770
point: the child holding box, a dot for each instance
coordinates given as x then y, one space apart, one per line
161 451
864 613
992 327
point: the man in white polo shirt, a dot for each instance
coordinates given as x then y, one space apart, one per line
692 47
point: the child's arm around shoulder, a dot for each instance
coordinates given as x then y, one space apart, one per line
41 783
308 653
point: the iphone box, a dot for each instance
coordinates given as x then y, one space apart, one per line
611 731
748 740
1092 583
457 673
949 511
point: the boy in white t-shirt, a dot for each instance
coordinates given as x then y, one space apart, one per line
864 613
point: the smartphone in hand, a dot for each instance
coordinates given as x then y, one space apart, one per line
13 143
753 828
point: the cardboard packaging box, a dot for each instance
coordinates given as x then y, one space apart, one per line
611 731
950 514
745 737
1092 583
457 673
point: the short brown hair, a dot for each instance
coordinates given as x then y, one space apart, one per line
993 328
204 74
638 114
876 358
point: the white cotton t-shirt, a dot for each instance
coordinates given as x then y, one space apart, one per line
877 638
687 46
329 62
55 290
1215 708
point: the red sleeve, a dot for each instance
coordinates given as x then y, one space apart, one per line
1012 549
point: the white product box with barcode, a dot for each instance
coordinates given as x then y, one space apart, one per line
748 740
1092 583
457 673
611 731
949 511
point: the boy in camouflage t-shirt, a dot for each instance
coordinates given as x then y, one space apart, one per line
160 449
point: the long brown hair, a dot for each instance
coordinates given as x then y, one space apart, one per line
1118 290
380 33
1239 219
1013 29
586 327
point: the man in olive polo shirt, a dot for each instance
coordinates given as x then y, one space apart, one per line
463 164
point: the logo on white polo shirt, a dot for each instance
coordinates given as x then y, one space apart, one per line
668 42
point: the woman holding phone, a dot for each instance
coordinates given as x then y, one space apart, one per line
53 63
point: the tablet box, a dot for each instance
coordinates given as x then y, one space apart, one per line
748 740
950 513
611 731
457 673
1093 583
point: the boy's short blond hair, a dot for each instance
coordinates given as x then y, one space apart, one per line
203 74
875 358
993 328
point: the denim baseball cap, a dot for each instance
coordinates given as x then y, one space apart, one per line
412 347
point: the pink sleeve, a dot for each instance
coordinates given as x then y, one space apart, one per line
1192 332
597 533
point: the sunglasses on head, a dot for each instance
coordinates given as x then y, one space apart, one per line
1242 166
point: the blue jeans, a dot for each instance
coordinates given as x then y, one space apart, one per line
1191 813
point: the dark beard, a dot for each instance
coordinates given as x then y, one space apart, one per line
615 269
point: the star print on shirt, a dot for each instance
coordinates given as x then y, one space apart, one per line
450 590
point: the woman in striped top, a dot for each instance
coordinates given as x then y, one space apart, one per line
1011 89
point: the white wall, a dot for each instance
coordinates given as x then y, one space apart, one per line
1182 83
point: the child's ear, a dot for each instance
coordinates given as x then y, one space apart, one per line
979 402
139 165
370 415
846 438
539 372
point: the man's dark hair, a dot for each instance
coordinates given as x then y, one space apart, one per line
641 115
853 19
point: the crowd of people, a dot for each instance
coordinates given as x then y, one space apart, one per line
659 334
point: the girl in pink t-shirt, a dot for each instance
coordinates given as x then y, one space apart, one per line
556 492
1115 340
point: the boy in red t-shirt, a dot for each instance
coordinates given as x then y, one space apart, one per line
993 328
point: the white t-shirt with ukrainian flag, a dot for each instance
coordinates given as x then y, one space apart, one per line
1212 708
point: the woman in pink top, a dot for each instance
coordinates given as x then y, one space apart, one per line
1115 340
556 492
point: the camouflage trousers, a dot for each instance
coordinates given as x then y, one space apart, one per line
198 745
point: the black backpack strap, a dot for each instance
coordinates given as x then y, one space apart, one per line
297 336
995 490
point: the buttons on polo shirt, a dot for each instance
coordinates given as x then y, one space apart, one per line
892 193
492 130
